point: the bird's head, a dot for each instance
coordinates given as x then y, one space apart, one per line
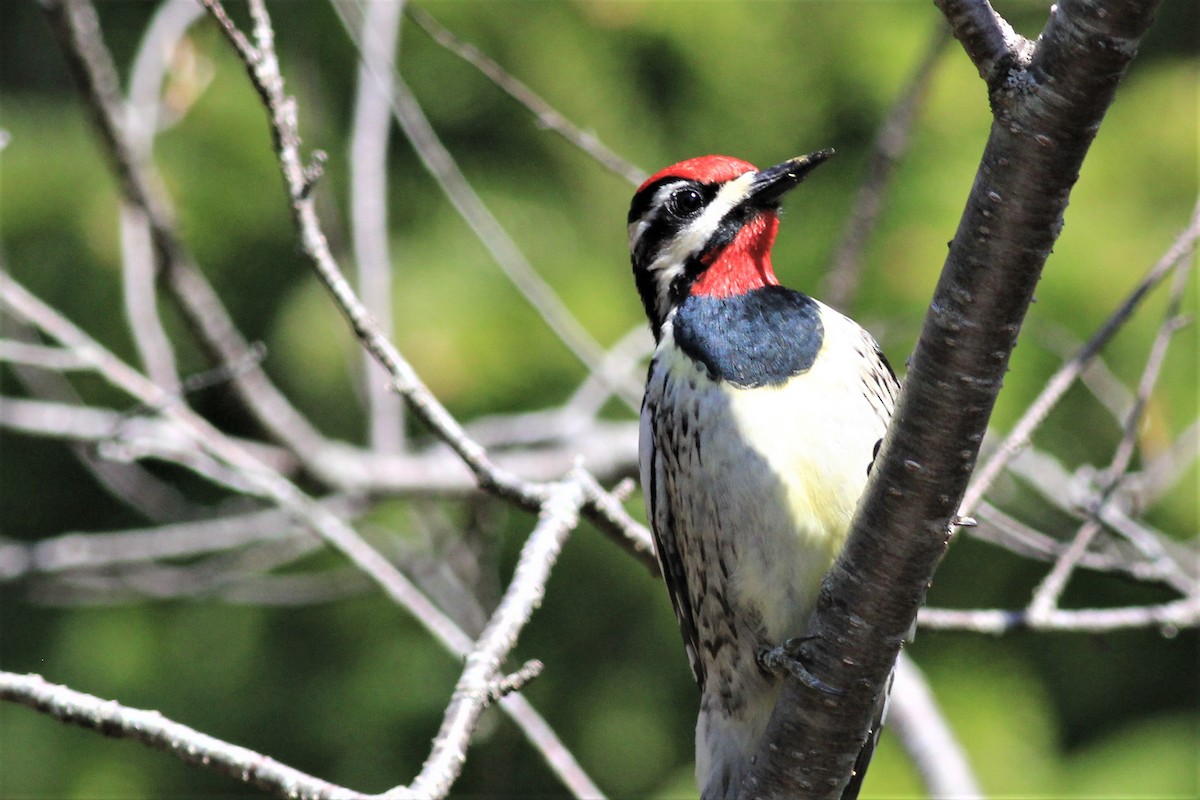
705 226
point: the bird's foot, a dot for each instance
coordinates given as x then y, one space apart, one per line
790 657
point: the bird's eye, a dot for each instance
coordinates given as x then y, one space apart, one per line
685 202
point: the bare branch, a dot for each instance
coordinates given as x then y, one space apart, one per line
263 69
1170 617
155 730
559 516
76 26
532 286
609 448
168 26
1154 564
89 551
840 285
328 525
546 116
41 356
914 716
368 207
104 427
213 443
1021 433
1045 597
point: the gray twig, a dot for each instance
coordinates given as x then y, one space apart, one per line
914 716
152 728
840 285
368 207
476 687
546 115
77 28
1045 597
1021 434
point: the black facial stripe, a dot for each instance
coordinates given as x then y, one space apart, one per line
645 198
663 225
726 232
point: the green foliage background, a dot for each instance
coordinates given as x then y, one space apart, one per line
353 690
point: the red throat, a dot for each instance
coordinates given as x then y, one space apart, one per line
742 265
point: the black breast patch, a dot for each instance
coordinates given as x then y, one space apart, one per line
760 338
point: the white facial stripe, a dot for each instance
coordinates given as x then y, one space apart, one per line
669 264
692 238
638 227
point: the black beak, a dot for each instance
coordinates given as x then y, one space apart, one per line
773 183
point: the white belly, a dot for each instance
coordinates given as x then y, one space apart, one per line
778 469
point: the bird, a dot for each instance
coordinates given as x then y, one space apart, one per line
763 412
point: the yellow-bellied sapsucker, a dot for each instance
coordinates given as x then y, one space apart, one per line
764 410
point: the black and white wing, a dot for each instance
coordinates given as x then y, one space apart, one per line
656 483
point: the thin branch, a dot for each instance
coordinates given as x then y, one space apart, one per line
507 255
139 489
168 26
213 443
1154 563
914 716
77 28
1169 617
328 525
545 114
840 285
102 426
152 728
558 517
37 355
608 448
1048 592
263 68
1101 382
1079 494
209 577
368 207
1022 433
92 551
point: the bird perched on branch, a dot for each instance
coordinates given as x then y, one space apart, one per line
763 412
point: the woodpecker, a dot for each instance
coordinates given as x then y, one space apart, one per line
763 413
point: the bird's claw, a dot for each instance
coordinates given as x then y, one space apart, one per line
790 657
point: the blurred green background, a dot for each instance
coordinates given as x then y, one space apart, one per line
353 690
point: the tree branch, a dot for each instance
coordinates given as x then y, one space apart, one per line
545 114
1046 116
368 207
990 42
152 728
927 738
474 690
263 69
840 285
77 28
